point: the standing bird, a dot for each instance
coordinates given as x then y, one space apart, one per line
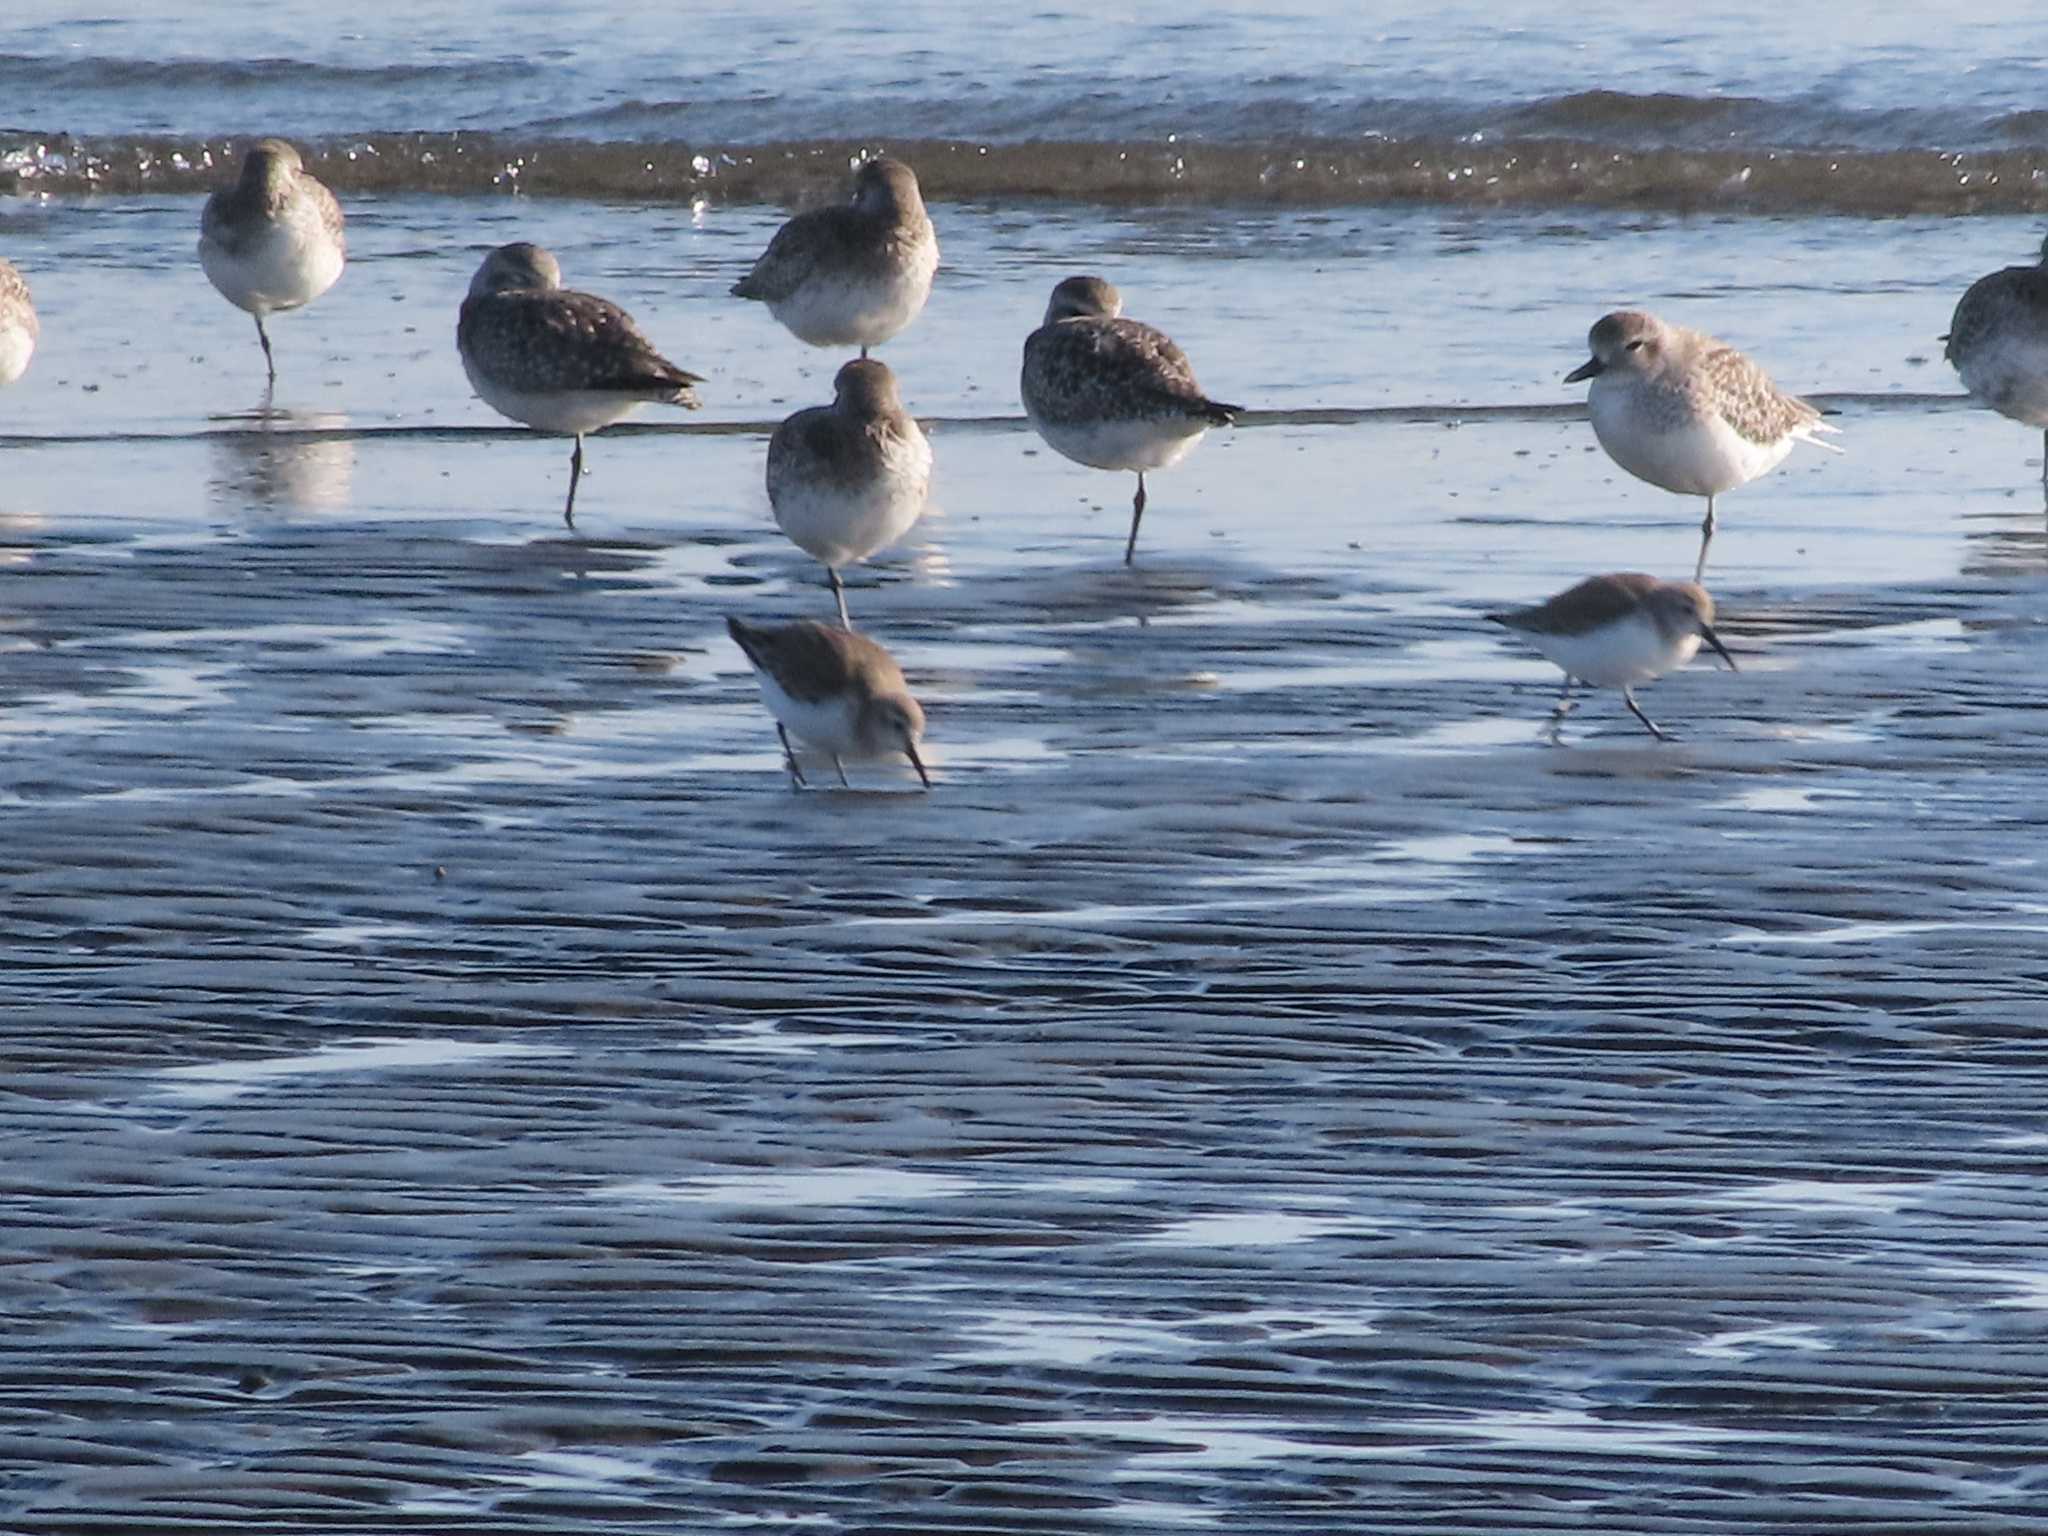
1113 393
1685 412
1616 631
1998 342
18 326
848 479
835 689
273 241
558 360
852 274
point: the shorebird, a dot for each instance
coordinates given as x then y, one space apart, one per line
1685 412
273 241
853 274
1113 393
18 326
1615 631
834 689
1998 342
848 479
558 360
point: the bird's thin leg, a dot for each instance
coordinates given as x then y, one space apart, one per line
839 592
843 784
796 774
2044 461
1565 705
863 352
269 363
1628 697
575 474
1706 537
1137 511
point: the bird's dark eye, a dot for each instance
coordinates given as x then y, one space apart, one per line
1634 346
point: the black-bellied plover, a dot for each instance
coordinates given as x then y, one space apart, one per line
18 325
274 240
1998 342
854 274
836 690
1113 393
849 479
1618 630
558 360
1688 413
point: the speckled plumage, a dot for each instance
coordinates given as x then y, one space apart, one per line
1998 343
849 479
1110 392
1687 413
543 338
555 359
273 241
19 327
854 274
1617 630
835 689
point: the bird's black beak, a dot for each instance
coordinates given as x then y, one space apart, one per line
1586 370
1707 630
910 751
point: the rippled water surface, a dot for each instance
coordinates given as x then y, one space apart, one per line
452 1084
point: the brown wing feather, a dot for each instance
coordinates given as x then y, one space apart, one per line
782 268
1595 601
560 339
1096 368
811 661
1750 403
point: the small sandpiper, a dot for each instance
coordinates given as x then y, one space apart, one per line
849 479
1615 631
1998 342
1113 393
273 241
558 360
836 690
1685 412
18 326
854 274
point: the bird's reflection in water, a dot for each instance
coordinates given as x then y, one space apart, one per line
283 461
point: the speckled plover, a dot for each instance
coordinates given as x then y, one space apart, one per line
1113 393
848 479
558 360
274 240
1998 342
18 326
1688 413
854 274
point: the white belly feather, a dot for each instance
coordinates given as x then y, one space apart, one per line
1693 457
1132 443
1628 651
282 270
564 411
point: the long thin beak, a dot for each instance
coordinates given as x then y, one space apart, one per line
1707 630
1585 370
910 751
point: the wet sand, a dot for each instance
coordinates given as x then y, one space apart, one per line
453 1082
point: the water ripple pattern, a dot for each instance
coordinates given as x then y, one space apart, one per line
452 1084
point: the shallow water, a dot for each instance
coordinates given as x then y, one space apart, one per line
451 1083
